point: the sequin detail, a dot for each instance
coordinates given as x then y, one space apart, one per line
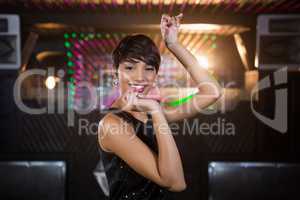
124 182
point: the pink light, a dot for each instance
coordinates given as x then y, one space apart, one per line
231 5
77 45
111 41
94 45
105 42
99 44
77 75
183 6
110 98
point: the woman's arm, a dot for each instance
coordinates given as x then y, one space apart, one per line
170 164
209 89
165 169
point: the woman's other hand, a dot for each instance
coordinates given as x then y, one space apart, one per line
169 27
144 103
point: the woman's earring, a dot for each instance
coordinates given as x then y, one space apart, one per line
115 82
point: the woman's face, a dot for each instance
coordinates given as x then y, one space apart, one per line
136 76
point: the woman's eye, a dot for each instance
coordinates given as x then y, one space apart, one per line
128 67
150 68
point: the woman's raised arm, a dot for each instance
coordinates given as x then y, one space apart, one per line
209 89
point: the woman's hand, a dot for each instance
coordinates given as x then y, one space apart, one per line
169 27
144 103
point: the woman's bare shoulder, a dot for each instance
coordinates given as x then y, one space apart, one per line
114 123
110 119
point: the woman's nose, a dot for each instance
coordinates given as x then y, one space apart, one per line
140 75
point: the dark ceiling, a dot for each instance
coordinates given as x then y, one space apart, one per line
111 14
149 6
114 15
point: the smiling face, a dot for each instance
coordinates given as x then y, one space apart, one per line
136 59
136 75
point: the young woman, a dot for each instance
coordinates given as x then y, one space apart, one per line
137 147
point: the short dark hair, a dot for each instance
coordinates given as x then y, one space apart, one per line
139 47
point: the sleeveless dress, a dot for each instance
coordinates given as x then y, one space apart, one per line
124 183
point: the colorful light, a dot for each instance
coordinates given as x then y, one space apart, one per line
74 35
70 64
66 36
203 61
69 54
50 82
169 6
67 44
181 101
84 57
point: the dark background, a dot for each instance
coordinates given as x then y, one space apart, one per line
47 137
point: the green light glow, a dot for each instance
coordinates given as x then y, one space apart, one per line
67 44
71 79
99 35
71 86
91 35
69 54
70 64
66 36
181 101
72 92
70 71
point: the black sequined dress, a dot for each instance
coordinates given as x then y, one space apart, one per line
123 181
